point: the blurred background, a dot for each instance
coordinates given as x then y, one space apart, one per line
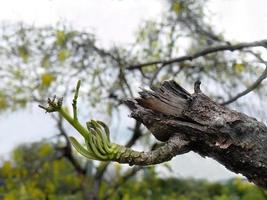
47 45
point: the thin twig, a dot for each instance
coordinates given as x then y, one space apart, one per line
251 87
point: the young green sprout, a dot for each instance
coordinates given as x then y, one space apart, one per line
96 134
97 139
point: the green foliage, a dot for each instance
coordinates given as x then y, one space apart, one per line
98 145
151 187
185 30
177 7
47 59
3 101
36 172
24 53
239 67
47 79
63 55
37 62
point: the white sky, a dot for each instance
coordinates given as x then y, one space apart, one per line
115 21
111 20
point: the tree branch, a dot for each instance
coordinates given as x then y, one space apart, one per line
104 165
184 122
174 146
204 52
237 141
252 86
249 89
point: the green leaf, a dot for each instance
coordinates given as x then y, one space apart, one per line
24 53
106 129
63 55
3 103
60 38
81 149
239 68
177 7
45 61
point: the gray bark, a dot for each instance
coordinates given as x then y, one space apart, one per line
194 122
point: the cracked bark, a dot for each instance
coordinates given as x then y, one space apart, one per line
194 122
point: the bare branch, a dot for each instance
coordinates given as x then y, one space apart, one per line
204 52
251 87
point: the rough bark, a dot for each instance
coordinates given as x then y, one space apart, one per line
195 122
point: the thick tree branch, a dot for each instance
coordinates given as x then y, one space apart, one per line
234 139
125 177
204 52
174 146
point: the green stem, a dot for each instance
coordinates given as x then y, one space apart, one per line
75 123
74 103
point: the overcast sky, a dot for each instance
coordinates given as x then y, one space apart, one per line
115 22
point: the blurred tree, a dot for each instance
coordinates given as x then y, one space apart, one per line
37 171
41 62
